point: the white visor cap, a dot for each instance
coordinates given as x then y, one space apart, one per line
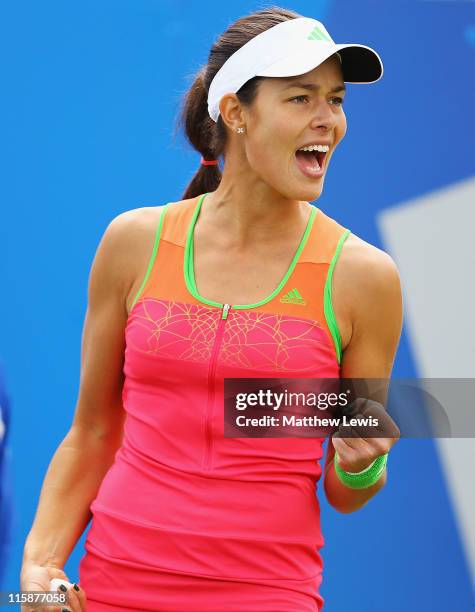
290 48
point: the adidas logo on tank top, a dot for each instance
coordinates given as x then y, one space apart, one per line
293 297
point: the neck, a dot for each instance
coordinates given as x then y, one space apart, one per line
248 209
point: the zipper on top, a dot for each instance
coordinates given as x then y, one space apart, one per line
226 308
212 385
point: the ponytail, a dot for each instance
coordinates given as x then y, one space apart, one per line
200 131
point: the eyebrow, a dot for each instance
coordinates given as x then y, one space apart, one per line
313 87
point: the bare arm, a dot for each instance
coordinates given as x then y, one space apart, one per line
370 277
87 451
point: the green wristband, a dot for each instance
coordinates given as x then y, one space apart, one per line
364 479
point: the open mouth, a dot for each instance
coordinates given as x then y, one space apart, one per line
311 162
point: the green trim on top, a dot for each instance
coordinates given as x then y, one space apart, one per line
327 299
188 259
190 272
154 253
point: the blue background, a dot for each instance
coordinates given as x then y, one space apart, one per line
90 95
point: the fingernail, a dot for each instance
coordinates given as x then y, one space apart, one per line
62 588
76 587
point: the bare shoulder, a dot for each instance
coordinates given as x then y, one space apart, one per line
365 263
128 241
363 276
132 226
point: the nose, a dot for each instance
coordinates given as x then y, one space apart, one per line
324 117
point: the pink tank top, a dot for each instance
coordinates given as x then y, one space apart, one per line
240 508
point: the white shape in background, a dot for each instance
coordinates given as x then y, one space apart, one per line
2 425
431 240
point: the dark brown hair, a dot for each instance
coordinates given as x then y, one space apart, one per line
206 136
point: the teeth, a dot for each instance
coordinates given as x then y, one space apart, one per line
316 147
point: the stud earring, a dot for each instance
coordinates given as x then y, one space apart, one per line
240 130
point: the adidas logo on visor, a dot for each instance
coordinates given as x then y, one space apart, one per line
293 297
317 34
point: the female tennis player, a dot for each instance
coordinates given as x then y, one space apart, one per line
242 278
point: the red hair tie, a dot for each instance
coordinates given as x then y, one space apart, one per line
209 162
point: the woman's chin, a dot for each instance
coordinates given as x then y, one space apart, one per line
304 190
312 192
307 188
